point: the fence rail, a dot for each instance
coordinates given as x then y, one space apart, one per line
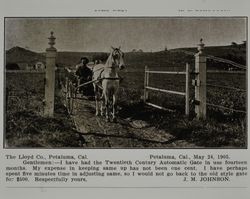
159 107
226 87
165 91
226 72
218 59
166 72
25 71
225 108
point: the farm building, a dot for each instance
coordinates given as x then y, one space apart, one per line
39 66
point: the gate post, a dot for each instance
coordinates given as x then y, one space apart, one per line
146 79
50 77
200 82
187 89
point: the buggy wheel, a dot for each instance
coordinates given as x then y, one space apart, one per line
67 95
71 98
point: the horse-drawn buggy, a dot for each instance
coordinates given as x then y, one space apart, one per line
75 89
105 81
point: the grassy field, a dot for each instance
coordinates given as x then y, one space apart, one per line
26 126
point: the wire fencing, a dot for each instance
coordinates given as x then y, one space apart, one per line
226 88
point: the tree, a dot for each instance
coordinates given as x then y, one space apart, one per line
12 66
234 43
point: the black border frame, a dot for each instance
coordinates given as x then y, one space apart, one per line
123 17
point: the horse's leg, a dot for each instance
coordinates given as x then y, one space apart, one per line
114 107
102 104
105 95
106 98
115 93
96 100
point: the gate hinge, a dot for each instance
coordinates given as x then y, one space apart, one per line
195 102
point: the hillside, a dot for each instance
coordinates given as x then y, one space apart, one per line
21 55
175 58
73 58
234 52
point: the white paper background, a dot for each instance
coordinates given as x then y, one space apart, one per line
80 8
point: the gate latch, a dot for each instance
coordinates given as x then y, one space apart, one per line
194 73
195 82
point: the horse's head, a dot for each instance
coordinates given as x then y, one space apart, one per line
117 57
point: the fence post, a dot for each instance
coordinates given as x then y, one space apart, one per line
146 79
50 77
187 89
200 82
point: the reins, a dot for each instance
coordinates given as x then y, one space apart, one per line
111 78
97 80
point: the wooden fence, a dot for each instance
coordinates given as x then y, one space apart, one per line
199 82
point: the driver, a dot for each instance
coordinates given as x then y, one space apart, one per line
84 75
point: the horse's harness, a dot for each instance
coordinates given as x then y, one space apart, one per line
103 78
108 78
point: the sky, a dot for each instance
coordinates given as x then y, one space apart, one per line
98 34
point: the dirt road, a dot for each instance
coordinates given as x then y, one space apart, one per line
125 133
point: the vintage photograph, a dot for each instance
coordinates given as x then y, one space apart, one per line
125 82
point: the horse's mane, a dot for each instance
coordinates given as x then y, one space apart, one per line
109 60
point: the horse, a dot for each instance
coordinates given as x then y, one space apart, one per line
106 83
